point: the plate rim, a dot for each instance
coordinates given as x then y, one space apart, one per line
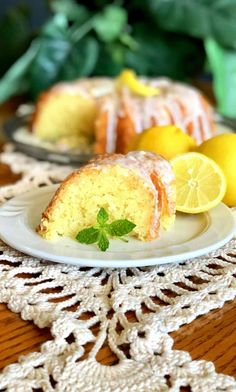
80 260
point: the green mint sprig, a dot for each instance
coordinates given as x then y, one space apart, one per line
99 234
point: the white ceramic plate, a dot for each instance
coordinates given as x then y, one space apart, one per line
191 236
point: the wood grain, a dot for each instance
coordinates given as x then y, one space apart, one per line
211 337
7 176
18 337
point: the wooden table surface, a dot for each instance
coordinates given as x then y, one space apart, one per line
211 337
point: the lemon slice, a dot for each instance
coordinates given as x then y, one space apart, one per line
200 183
130 79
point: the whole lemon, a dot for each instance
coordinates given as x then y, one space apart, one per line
166 140
222 149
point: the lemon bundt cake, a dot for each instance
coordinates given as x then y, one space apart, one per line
139 186
107 115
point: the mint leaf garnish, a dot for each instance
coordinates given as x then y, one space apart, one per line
100 233
103 242
88 236
102 216
120 227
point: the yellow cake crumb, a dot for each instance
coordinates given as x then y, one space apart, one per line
122 193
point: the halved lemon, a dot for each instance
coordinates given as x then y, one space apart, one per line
130 79
200 183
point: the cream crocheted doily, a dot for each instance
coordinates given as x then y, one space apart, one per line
90 307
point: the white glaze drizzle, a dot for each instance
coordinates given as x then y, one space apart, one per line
144 163
110 107
164 108
144 112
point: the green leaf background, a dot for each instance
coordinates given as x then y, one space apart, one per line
61 59
110 23
164 53
97 37
71 10
197 18
15 36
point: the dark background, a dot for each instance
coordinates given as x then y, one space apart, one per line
38 10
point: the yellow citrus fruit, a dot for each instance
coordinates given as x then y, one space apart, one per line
200 183
130 79
166 140
222 149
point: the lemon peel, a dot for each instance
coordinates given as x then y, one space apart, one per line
166 140
222 149
129 78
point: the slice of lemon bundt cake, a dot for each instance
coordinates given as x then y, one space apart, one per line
139 186
110 113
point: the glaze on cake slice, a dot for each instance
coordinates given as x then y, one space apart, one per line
139 186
